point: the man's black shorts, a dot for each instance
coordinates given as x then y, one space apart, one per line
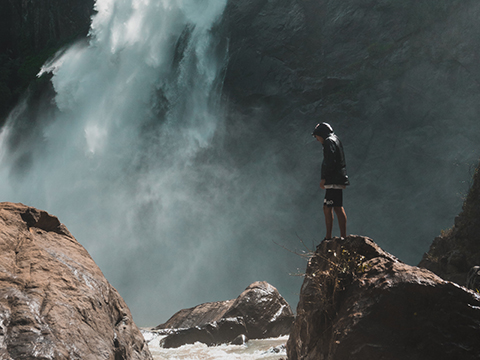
333 198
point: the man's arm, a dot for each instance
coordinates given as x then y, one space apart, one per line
322 184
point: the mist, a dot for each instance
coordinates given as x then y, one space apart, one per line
130 159
180 200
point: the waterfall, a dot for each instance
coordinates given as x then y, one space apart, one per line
117 158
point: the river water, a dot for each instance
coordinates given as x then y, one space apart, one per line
267 349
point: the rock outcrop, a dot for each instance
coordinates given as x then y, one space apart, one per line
55 302
456 251
359 302
32 31
259 312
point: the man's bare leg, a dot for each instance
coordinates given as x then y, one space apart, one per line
342 220
328 211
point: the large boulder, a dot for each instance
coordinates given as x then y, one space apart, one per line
264 310
259 312
359 302
55 302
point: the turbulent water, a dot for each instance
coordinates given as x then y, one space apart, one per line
268 349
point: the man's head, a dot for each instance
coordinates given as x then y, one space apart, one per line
322 131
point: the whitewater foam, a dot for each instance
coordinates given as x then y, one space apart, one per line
264 349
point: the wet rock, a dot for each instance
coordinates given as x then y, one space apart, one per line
359 302
473 278
55 302
265 311
259 312
240 340
197 316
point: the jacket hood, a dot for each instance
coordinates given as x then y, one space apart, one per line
323 130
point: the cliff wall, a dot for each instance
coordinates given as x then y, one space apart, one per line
32 31
398 80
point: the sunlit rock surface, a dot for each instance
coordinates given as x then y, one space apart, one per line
55 302
359 302
259 312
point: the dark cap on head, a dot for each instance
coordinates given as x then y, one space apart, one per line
322 130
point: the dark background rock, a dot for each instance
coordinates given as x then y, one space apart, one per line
359 302
473 278
457 250
55 302
259 312
31 32
399 81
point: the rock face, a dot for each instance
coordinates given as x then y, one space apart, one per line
32 31
399 75
456 251
259 312
55 302
359 302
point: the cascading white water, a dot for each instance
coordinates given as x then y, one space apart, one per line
117 160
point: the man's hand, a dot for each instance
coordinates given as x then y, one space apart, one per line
322 184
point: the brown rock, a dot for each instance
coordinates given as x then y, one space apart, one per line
197 316
359 302
55 302
265 311
259 312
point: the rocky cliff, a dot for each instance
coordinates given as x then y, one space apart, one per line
359 302
54 301
457 250
399 80
32 31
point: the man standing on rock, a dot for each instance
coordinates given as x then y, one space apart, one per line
334 178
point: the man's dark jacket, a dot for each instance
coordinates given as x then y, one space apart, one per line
334 169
